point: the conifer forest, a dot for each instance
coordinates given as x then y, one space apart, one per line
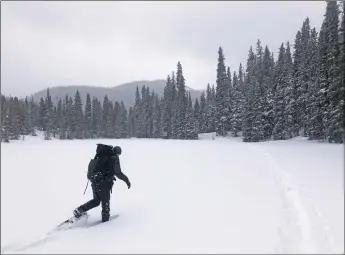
299 92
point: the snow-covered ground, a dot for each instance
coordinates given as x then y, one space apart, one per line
206 196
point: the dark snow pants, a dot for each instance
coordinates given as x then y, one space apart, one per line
101 194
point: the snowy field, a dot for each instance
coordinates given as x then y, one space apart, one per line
206 196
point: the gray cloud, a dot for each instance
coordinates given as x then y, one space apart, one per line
108 43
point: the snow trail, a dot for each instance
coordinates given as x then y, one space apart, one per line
298 219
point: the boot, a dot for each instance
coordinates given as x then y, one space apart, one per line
78 212
105 211
105 217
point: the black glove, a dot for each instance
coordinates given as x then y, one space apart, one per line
128 184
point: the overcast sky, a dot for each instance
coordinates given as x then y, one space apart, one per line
109 43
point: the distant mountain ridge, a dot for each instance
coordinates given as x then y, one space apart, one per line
124 92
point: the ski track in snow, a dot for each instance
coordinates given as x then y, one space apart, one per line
295 232
50 236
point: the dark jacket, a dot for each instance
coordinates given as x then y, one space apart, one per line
112 166
115 169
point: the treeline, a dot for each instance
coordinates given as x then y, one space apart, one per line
300 93
69 119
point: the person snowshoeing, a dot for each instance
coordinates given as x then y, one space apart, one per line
102 171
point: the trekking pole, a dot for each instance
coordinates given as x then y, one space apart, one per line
87 184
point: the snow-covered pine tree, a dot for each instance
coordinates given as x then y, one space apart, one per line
117 112
174 124
222 97
147 115
150 104
64 119
131 123
13 123
181 103
27 117
140 111
70 118
258 105
60 119
303 78
229 99
137 113
279 102
334 117
197 115
167 110
328 70
78 117
41 115
290 113
210 109
88 117
191 129
268 65
202 123
123 120
248 116
113 127
315 95
33 115
213 110
237 103
96 118
5 120
105 117
48 116
156 117
342 72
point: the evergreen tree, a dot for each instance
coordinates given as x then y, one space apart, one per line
258 93
197 115
279 96
70 123
123 121
237 103
167 110
268 65
289 95
60 119
41 115
181 103
106 125
34 116
27 118
202 123
149 110
174 108
131 123
5 118
249 117
88 118
222 97
112 124
315 95
137 113
334 116
97 112
15 119
78 117
156 116
191 125
48 116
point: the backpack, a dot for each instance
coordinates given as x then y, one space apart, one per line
98 165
